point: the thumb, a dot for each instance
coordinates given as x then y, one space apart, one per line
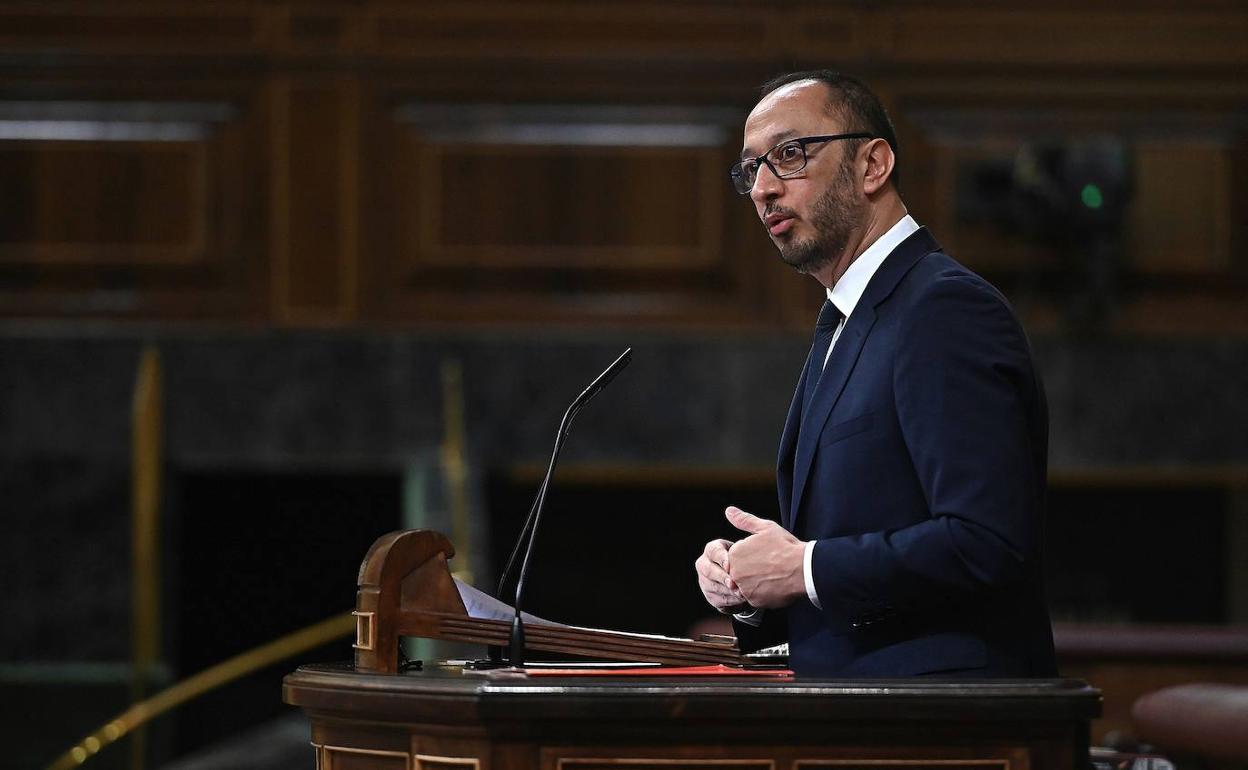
746 522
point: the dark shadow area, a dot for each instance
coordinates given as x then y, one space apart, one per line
256 556
1113 553
618 555
1140 555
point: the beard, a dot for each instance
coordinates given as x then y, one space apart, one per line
833 217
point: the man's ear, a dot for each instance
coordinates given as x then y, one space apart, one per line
880 160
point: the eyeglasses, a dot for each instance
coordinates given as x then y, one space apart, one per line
784 160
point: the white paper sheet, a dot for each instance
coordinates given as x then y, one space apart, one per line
482 606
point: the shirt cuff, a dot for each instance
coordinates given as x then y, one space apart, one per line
809 576
752 618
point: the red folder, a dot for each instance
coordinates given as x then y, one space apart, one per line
661 671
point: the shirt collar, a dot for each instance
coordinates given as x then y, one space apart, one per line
846 292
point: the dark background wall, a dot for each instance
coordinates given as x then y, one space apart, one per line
312 209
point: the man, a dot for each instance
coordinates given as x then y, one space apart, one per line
912 465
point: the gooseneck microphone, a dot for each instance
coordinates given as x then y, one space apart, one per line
529 530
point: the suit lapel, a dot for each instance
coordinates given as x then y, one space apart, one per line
802 431
784 462
827 393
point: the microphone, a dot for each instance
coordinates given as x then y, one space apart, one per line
578 403
529 530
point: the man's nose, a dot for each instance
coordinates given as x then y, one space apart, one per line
767 186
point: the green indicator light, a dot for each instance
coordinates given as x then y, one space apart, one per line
1092 197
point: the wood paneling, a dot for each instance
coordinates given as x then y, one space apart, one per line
135 207
1084 38
584 208
615 213
934 762
321 196
1142 35
91 203
1178 228
500 30
1180 220
651 724
314 224
560 758
132 27
348 758
434 762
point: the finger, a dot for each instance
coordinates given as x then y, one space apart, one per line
719 596
746 522
726 601
717 551
715 573
717 590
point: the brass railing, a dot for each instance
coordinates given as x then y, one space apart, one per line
209 679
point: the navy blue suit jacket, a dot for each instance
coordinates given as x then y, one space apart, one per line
919 468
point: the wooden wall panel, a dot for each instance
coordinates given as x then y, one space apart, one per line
524 211
1179 227
129 27
134 207
314 204
322 197
573 207
499 30
316 28
1084 37
1180 222
90 202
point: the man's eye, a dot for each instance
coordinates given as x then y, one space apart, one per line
788 153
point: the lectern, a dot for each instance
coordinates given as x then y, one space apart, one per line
406 589
440 719
366 715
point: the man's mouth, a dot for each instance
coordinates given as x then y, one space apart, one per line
777 223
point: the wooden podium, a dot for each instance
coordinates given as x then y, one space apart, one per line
367 715
405 589
442 719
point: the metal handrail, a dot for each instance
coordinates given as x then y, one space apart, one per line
209 679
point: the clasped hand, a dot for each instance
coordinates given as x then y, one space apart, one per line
761 570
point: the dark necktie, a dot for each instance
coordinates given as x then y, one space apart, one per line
825 328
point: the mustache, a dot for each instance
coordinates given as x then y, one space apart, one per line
783 211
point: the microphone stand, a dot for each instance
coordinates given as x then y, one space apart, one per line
529 530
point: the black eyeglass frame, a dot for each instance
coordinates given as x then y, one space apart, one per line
735 172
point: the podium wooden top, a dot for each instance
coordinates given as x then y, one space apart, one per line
406 589
448 696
